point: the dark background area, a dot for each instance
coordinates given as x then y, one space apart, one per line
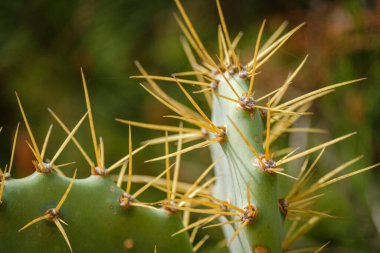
44 43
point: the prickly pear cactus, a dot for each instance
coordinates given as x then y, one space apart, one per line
49 212
240 132
97 222
46 210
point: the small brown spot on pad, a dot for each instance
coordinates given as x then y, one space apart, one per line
260 249
128 243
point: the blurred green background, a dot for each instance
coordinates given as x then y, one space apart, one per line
44 43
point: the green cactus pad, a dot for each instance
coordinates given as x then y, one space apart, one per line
96 221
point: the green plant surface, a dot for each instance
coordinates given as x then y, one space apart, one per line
96 221
236 173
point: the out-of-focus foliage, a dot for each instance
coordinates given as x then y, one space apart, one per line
44 43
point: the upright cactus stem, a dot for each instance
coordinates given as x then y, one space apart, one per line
237 171
245 195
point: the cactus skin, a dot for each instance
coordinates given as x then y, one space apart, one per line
235 170
97 223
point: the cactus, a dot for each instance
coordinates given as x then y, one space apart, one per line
239 133
243 197
99 214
